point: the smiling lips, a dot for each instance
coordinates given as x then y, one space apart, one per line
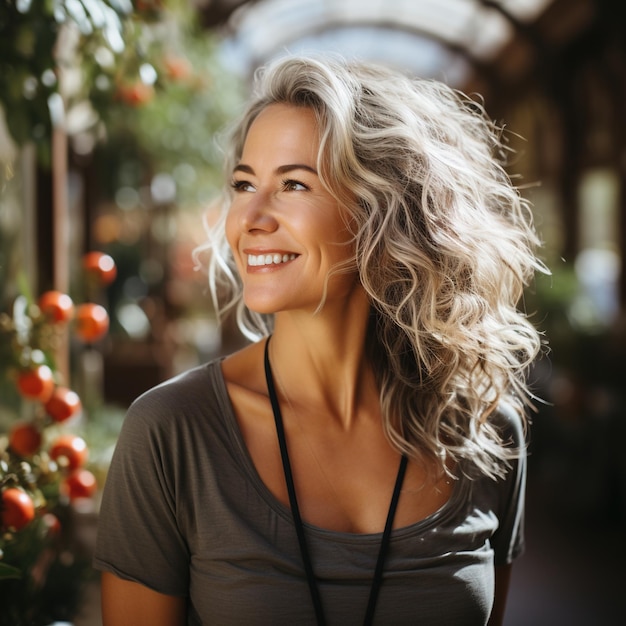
275 258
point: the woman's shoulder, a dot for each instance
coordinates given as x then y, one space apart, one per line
199 390
510 422
183 427
185 386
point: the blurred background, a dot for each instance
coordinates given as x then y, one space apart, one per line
110 120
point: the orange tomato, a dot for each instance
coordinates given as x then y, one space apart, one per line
177 68
25 439
62 404
100 265
17 508
36 383
136 94
92 322
81 483
56 306
69 451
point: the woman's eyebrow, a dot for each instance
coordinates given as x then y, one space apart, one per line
242 167
281 169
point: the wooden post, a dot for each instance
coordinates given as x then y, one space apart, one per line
60 210
60 234
60 231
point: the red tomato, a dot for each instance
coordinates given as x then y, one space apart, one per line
62 404
69 451
52 524
17 508
36 383
25 439
81 483
100 265
92 322
56 306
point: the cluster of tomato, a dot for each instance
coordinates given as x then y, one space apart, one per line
137 93
67 454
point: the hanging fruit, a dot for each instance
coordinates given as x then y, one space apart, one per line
25 438
62 404
136 94
177 68
69 451
36 383
101 266
56 306
80 483
17 509
92 322
52 525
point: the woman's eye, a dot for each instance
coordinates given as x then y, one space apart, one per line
294 185
241 185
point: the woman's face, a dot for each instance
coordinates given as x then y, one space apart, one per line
285 229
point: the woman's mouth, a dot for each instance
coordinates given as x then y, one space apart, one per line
272 258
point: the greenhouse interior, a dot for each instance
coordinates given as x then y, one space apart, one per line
112 120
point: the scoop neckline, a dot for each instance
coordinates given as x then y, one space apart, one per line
420 526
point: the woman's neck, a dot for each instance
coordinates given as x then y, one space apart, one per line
320 361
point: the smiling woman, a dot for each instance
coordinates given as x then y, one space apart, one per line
367 463
281 210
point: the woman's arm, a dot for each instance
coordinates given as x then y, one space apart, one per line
126 603
503 577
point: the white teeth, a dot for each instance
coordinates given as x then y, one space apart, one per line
269 259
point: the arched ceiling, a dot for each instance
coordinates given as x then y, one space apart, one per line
446 39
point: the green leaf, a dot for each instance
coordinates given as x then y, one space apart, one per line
8 571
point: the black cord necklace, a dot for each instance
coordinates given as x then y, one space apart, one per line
297 520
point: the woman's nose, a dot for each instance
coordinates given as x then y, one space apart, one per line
258 214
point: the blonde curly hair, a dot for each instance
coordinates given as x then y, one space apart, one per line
444 247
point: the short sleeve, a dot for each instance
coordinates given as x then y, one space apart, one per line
508 541
139 538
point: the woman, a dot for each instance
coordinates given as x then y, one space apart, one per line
366 464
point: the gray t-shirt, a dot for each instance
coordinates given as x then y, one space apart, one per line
185 513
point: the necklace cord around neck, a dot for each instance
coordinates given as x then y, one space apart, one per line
297 519
293 502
